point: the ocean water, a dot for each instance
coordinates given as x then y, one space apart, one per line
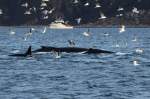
122 75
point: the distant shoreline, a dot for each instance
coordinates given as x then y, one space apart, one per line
115 26
82 26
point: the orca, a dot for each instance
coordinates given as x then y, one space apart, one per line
27 53
71 50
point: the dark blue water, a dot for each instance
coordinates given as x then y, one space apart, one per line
76 76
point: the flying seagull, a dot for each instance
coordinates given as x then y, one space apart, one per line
97 5
43 4
102 16
1 11
27 12
87 33
24 5
78 20
76 1
44 31
120 9
122 29
135 10
86 4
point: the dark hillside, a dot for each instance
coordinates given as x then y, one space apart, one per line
43 12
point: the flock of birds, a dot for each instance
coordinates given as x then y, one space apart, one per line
46 12
87 33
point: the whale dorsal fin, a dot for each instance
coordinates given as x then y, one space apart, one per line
28 52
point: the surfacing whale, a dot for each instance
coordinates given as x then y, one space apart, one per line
71 50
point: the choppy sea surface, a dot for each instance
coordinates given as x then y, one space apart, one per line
122 75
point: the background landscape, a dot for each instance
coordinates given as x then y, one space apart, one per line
75 12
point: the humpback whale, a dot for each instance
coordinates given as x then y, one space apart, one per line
27 53
71 50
